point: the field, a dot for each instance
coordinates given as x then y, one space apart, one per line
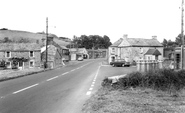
32 37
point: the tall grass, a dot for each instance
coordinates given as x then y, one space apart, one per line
163 79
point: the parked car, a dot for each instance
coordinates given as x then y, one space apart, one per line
80 58
120 62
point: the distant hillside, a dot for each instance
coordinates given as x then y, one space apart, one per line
32 37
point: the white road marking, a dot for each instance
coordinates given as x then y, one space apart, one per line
25 88
88 93
65 73
92 85
52 78
73 70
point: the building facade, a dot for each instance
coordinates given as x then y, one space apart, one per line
29 51
133 49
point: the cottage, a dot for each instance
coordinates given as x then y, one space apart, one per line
75 53
133 49
29 51
56 56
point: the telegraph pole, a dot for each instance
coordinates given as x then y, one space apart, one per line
46 63
182 34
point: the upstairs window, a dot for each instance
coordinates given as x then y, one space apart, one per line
113 49
31 54
8 54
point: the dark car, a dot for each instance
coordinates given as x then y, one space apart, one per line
120 62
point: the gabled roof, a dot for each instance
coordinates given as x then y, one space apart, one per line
137 42
117 43
143 42
19 47
153 52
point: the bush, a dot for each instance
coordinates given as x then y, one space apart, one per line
164 79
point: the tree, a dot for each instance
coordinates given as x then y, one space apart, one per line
90 41
6 40
165 43
178 40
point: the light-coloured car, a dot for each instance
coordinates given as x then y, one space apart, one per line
80 58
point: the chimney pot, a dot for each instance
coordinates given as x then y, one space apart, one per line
125 36
154 37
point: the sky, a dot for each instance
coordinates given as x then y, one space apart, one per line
114 18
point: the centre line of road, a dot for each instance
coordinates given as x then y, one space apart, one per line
94 80
25 88
65 73
52 78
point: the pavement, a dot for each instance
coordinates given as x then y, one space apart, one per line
62 90
12 74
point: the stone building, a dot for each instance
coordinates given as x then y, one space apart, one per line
30 51
132 49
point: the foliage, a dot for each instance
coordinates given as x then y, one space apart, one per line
2 64
178 39
3 29
164 79
90 41
169 44
6 40
16 60
17 40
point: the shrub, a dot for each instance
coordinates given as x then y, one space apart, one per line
163 79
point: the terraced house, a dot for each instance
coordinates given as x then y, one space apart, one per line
29 51
132 49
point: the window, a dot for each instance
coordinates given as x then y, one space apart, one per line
20 64
113 49
31 63
8 64
141 50
65 52
8 54
31 54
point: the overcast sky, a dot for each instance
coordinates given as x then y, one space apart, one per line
114 18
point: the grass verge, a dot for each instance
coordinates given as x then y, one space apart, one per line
156 91
109 100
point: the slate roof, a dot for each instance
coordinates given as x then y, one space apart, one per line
144 42
153 52
137 42
117 43
19 47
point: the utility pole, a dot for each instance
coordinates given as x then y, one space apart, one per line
46 63
93 50
182 34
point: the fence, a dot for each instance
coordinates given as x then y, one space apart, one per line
147 65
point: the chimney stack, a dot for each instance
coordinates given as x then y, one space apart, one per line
125 36
154 37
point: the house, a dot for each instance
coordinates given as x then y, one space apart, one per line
152 54
29 51
56 55
103 53
98 53
75 53
132 49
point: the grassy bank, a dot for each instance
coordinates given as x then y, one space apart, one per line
164 79
157 91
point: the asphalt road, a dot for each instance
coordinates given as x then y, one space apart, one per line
63 90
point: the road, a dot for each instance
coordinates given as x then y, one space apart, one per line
63 90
